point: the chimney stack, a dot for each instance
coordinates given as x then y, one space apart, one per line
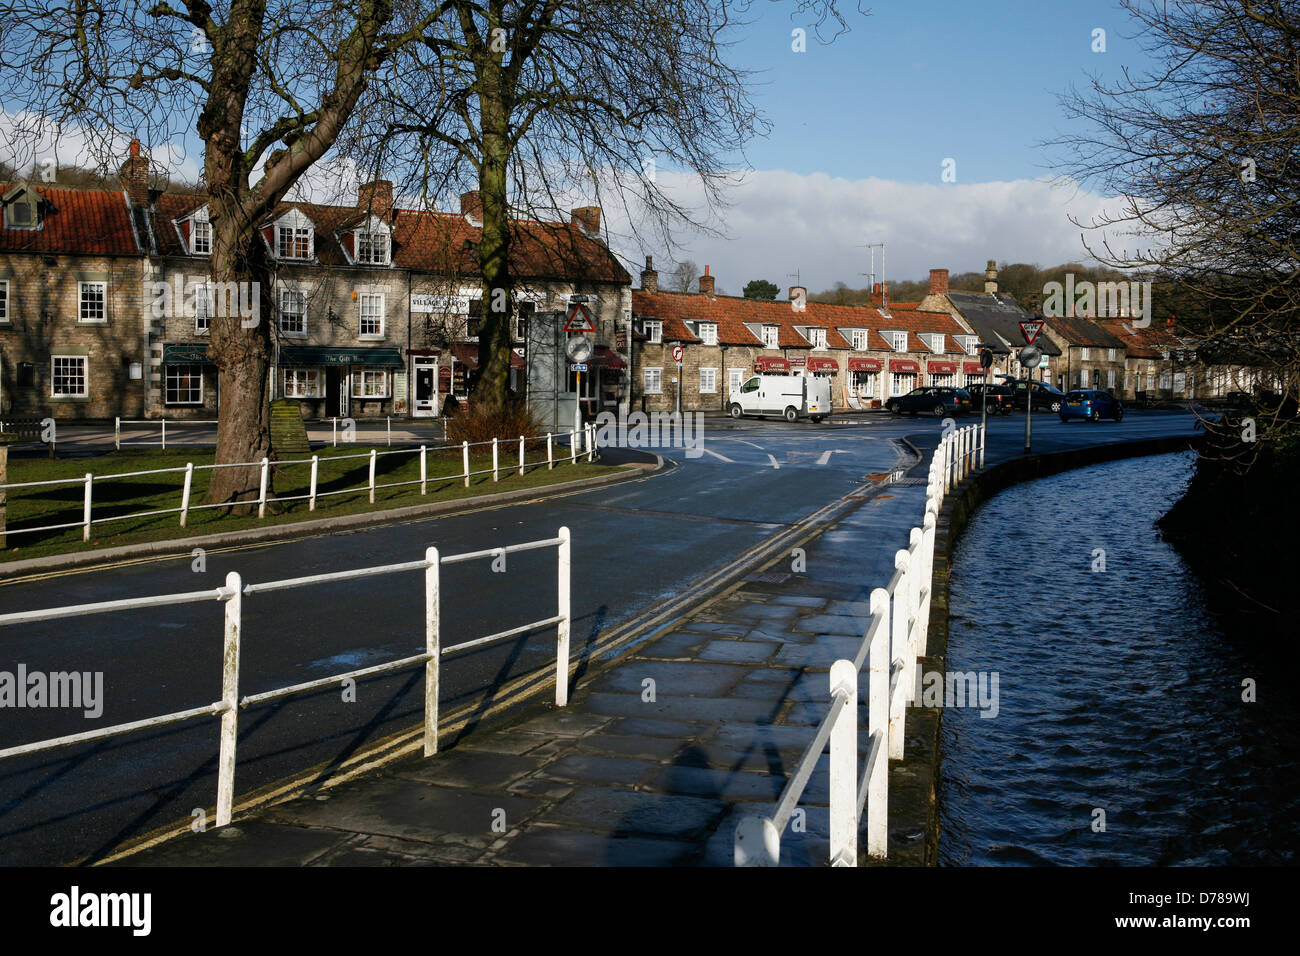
706 282
471 204
649 278
377 197
938 281
588 217
991 277
135 176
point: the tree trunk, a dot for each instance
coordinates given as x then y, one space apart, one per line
492 391
241 348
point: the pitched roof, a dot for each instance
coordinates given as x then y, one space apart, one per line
1085 332
1146 343
92 222
996 319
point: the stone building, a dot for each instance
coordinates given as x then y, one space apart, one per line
1091 356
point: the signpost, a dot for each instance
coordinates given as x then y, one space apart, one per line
1029 357
578 349
678 354
986 362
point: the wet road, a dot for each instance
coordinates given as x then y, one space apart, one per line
634 545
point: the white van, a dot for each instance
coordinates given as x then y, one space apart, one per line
790 396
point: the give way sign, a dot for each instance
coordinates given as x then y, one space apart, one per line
1030 330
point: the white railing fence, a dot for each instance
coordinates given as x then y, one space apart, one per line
579 447
161 423
895 638
232 595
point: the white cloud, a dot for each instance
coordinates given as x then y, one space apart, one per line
778 222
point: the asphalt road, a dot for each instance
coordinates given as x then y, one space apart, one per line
635 544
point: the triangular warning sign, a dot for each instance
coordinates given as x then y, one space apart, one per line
579 319
1030 330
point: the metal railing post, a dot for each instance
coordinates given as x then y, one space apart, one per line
373 455
85 510
464 448
898 646
844 767
117 433
983 432
496 463
564 562
591 440
424 470
521 456
164 434
573 444
261 495
335 434
185 492
315 470
550 456
878 730
390 431
229 698
433 647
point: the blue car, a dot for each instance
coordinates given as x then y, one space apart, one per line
1091 405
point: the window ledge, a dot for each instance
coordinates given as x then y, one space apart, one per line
70 398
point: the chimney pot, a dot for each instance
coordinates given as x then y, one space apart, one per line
938 281
471 204
135 176
991 277
649 277
706 282
588 217
376 196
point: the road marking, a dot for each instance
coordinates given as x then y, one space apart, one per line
772 459
825 459
716 455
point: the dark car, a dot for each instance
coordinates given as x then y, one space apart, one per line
1091 405
1000 399
1047 398
938 399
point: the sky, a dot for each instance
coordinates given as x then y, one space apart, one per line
863 129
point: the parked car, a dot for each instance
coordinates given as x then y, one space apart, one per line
938 399
999 397
1091 405
1047 398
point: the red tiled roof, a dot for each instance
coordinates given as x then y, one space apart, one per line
1080 331
1140 343
85 221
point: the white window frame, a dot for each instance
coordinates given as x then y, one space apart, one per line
898 341
712 375
301 298
195 232
860 340
379 249
82 288
167 385
652 380
817 338
935 341
1085 354
85 375
362 298
895 380
361 387
25 202
708 333
771 336
296 236
302 382
1110 355
4 302
735 379
654 331
203 309
971 343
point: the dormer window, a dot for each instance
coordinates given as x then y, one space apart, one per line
22 208
200 238
372 248
817 337
708 333
935 341
859 340
899 341
294 236
771 335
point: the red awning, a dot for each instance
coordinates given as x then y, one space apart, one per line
823 365
903 365
606 357
972 368
864 365
768 363
941 368
466 353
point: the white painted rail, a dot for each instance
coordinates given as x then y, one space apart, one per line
232 595
895 638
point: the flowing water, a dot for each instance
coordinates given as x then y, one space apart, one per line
1120 735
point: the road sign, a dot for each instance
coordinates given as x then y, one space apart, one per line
1029 356
986 358
678 353
1042 362
577 368
578 348
579 319
1030 330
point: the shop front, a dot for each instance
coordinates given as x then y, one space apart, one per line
902 375
942 373
771 365
864 379
972 373
189 380
330 382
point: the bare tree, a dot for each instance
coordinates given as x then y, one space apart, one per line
538 102
683 276
1204 151
268 85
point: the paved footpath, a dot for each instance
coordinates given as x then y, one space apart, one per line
651 763
657 755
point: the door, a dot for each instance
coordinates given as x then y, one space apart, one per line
425 393
336 391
